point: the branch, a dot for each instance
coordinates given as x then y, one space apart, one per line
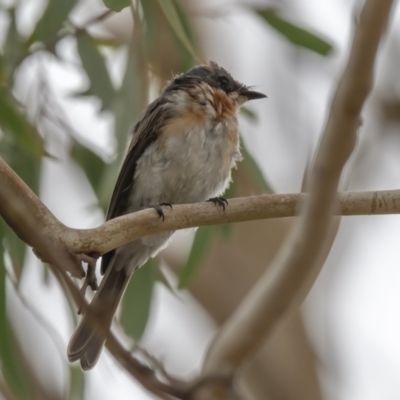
32 221
289 277
17 202
122 230
287 281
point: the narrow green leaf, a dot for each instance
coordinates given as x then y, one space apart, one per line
127 105
91 163
14 123
255 174
232 189
127 110
137 300
196 256
76 390
16 249
107 42
174 20
95 67
15 50
26 166
250 114
187 59
225 230
117 5
9 357
51 22
163 279
295 34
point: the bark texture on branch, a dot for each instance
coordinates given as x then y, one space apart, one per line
18 204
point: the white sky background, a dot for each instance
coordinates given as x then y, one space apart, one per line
353 311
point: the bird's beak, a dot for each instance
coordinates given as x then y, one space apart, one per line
251 94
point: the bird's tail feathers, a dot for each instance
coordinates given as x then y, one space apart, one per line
88 339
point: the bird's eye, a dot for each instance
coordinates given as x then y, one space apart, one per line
223 81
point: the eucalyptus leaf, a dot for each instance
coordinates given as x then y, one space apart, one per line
127 110
53 19
91 163
249 114
171 13
76 390
26 166
16 249
95 67
163 279
13 122
117 5
137 300
9 356
127 105
199 249
15 50
254 172
298 36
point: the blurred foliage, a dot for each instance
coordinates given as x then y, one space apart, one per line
117 5
11 369
137 300
95 67
295 34
163 42
53 19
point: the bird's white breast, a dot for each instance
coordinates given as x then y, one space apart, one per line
190 164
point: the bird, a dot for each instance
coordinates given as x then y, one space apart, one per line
182 151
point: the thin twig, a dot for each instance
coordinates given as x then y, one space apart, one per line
40 319
145 375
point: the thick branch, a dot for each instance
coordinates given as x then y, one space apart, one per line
31 220
291 274
16 198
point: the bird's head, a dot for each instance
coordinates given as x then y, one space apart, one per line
217 80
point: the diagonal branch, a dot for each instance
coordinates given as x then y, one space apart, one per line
31 220
291 274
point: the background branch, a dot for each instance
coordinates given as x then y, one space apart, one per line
288 280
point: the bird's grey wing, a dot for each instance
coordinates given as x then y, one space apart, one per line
87 341
145 132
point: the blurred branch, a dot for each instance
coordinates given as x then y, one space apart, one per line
94 20
25 213
292 272
33 222
144 374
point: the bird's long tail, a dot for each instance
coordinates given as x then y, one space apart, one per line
88 339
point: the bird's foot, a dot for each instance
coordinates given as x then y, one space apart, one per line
90 279
159 210
221 201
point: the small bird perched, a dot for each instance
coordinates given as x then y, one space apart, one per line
182 151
